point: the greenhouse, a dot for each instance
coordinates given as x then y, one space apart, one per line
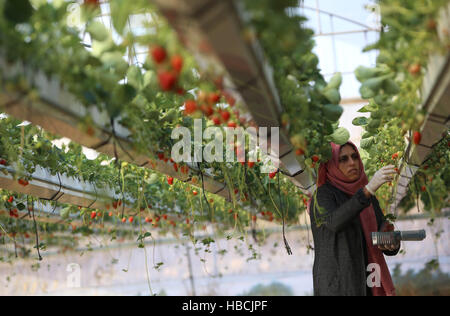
224 148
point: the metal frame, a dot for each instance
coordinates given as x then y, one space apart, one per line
436 102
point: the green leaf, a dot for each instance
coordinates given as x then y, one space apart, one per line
134 77
371 107
332 95
120 11
340 136
335 81
98 31
360 121
333 112
18 11
367 142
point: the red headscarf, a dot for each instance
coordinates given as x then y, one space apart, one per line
330 172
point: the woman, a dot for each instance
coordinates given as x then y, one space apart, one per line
344 213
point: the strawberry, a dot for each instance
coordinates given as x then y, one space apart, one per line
110 214
131 219
414 69
93 215
232 124
394 156
423 188
175 167
190 107
124 220
148 220
115 204
23 182
11 199
3 162
396 170
417 137
250 164
167 80
225 116
299 152
263 213
177 63
213 98
160 156
187 221
195 193
272 175
159 54
165 216
315 158
236 191
93 3
216 120
170 180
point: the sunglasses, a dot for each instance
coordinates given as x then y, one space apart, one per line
345 158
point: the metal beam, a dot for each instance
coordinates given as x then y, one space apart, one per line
58 112
214 32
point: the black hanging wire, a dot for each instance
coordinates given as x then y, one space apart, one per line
35 227
203 187
96 197
286 244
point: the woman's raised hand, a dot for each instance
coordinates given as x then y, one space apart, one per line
385 174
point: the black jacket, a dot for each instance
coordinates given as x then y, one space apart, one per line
340 260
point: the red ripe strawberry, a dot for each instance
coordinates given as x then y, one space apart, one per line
11 199
167 80
94 3
216 120
148 220
232 124
299 152
159 54
225 116
315 158
110 214
165 216
250 164
187 221
23 182
131 219
93 215
213 98
124 220
120 202
272 175
160 156
236 191
263 213
175 167
170 180
417 137
177 63
115 204
396 170
190 107
395 156
195 193
3 162
424 188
